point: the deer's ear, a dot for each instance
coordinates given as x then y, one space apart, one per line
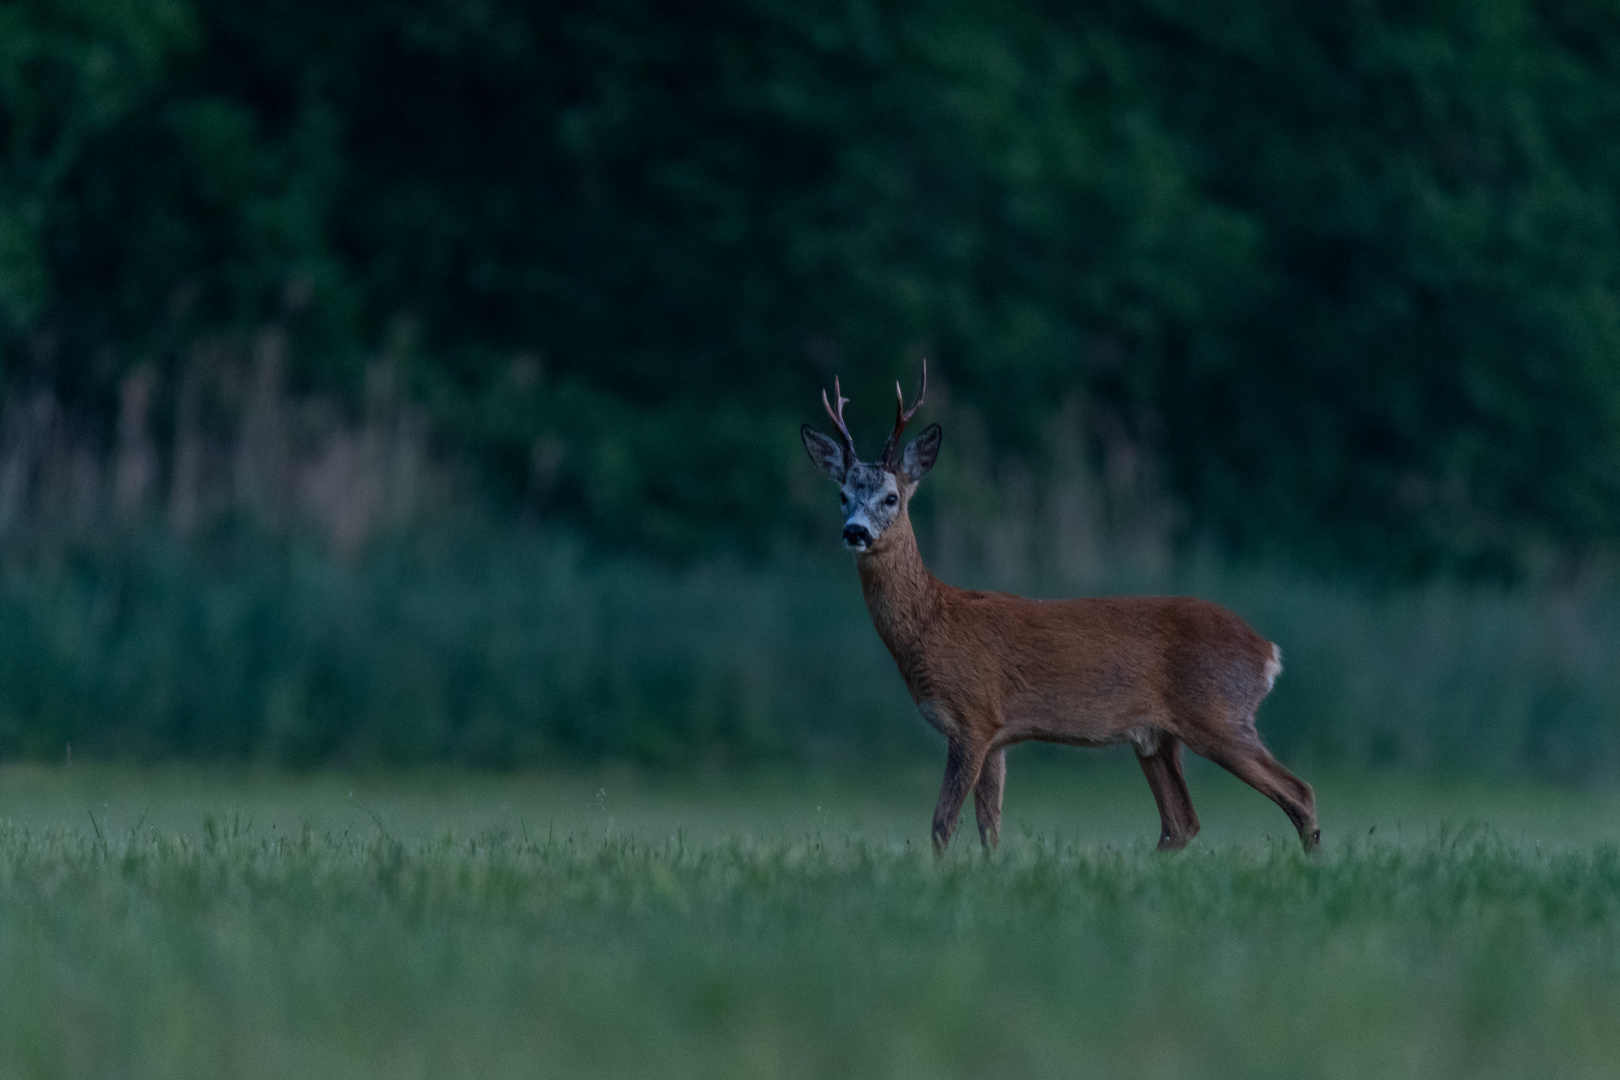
825 454
921 454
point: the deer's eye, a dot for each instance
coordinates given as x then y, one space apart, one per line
891 500
843 497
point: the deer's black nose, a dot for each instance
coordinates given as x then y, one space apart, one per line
856 534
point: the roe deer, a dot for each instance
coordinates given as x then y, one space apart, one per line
988 669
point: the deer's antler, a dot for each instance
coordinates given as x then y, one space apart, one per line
838 420
902 417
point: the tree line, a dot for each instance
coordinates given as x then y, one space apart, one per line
1345 276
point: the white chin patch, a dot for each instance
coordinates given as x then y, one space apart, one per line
859 545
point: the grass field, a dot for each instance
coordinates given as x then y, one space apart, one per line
209 924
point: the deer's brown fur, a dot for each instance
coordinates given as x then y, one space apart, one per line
988 670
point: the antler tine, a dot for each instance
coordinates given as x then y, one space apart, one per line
838 419
903 415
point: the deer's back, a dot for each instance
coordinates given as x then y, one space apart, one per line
1094 670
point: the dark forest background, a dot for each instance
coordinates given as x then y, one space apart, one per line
412 380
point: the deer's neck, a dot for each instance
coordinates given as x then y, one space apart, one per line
901 594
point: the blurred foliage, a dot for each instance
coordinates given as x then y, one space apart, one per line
497 652
1347 275
499 649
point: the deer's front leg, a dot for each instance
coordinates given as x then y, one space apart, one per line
963 762
987 797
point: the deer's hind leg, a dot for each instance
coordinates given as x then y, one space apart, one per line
987 797
1178 820
1244 756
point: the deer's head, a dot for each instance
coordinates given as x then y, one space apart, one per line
873 497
